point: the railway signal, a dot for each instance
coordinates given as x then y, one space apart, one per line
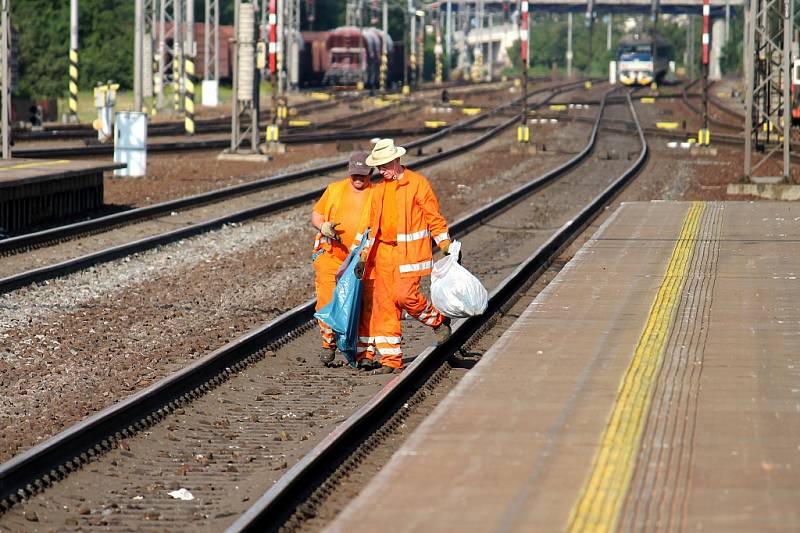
523 132
704 135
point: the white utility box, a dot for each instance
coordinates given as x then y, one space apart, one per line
210 92
130 143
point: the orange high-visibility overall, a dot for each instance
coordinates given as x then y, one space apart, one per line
405 212
342 203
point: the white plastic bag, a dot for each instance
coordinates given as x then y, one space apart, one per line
454 291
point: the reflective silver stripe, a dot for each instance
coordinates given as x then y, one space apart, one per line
417 235
362 349
441 237
416 267
384 340
390 351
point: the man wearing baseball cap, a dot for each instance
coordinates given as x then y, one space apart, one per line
404 217
340 217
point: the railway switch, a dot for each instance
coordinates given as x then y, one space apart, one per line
105 97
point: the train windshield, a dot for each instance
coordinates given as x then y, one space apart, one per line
347 58
635 52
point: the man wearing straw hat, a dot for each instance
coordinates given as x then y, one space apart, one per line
404 217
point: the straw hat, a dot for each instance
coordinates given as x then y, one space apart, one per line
383 152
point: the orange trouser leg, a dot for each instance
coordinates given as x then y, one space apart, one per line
325 266
408 297
380 330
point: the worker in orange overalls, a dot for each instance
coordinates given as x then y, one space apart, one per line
340 217
404 216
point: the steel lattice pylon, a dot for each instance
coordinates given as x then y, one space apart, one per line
211 43
768 43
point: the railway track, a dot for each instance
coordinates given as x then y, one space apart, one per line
60 234
54 460
299 493
223 123
351 124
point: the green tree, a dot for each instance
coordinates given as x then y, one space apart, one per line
105 44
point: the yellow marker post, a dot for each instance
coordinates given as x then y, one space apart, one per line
647 100
523 134
435 123
470 111
273 133
667 125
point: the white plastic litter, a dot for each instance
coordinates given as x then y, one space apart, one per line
454 290
182 494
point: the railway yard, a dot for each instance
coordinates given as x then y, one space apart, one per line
164 347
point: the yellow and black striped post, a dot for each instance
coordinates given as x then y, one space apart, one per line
188 98
384 68
73 85
176 85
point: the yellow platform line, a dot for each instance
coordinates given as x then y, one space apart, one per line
34 164
600 502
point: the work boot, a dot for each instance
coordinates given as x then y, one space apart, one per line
383 369
366 364
327 355
442 331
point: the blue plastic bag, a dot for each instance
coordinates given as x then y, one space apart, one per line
343 312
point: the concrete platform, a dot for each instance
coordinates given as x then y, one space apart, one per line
39 191
654 384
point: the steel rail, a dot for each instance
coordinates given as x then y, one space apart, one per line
205 125
52 460
68 231
304 137
172 127
697 111
271 510
22 279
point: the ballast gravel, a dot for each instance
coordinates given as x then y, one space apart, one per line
112 328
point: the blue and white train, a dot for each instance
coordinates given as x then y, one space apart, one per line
642 59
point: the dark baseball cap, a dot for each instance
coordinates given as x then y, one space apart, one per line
358 164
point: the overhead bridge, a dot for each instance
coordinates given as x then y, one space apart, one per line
612 6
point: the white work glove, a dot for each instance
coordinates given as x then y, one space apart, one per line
328 229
